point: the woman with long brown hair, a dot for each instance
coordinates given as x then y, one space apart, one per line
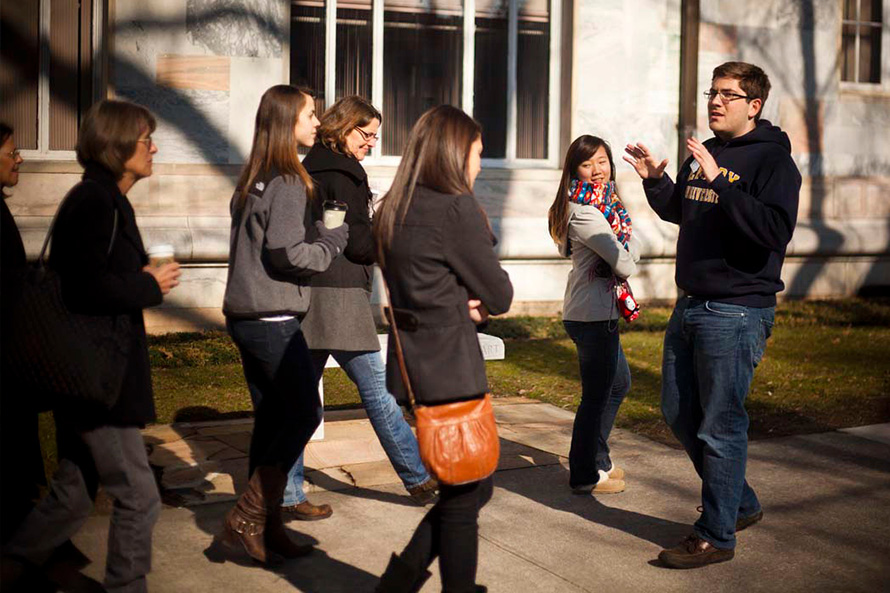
267 294
590 224
437 253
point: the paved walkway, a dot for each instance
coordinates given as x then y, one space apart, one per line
826 499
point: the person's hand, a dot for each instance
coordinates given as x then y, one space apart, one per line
167 276
478 311
704 159
646 166
335 239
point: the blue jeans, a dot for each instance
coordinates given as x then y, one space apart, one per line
282 385
605 380
367 371
710 352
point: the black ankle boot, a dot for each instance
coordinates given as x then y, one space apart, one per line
401 577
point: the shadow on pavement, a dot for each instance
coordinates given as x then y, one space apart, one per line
551 489
316 573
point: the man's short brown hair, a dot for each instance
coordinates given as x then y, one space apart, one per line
109 133
752 80
342 117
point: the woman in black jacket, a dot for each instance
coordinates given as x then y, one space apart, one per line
19 440
436 249
98 253
339 322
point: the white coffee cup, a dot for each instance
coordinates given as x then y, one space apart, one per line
158 255
334 214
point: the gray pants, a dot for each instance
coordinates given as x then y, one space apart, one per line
115 458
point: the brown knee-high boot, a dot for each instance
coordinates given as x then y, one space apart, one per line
277 539
254 523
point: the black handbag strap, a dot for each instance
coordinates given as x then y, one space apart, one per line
41 259
400 355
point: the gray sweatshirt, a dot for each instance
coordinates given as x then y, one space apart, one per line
269 261
591 297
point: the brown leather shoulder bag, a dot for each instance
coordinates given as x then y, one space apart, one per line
458 441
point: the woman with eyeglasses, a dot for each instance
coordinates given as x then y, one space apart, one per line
339 322
19 442
103 268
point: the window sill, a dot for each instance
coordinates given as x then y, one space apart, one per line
863 89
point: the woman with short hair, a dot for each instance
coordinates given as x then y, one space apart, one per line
339 322
436 249
97 251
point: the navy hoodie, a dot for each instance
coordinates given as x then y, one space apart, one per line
734 231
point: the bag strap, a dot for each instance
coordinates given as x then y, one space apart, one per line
400 355
41 259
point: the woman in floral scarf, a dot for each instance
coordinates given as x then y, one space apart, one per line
589 223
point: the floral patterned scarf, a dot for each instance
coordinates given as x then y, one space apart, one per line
604 198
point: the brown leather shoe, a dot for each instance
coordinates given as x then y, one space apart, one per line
746 522
424 494
306 511
694 552
742 522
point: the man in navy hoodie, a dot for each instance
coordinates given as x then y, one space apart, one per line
735 200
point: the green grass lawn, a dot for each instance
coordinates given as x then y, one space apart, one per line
826 366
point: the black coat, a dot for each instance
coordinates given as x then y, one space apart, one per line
98 283
12 265
439 257
342 178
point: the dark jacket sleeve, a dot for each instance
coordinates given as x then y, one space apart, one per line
470 253
665 196
768 218
90 284
360 247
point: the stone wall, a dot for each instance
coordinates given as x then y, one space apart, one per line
201 66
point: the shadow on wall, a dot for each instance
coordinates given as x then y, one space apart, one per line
176 107
829 240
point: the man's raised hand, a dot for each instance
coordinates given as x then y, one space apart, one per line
643 162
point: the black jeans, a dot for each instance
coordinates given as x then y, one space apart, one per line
604 383
282 385
450 530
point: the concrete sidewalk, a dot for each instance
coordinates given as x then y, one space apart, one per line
826 502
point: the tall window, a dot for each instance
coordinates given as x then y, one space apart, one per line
861 41
493 58
46 72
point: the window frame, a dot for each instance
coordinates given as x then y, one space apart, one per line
883 86
376 159
43 152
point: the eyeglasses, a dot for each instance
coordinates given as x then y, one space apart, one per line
147 141
367 136
13 154
725 96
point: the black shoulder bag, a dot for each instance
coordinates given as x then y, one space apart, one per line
58 357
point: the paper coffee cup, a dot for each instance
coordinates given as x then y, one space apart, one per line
158 255
334 214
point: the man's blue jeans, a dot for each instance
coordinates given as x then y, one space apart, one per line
367 371
710 352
